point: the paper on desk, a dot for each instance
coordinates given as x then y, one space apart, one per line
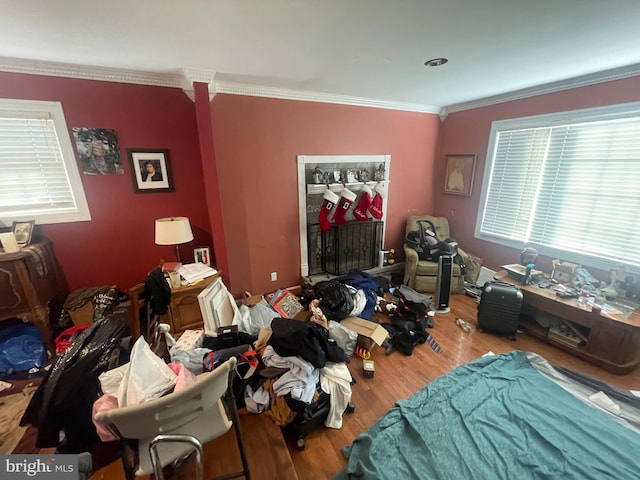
196 271
610 309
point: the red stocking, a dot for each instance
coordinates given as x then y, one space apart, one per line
376 203
347 197
364 202
329 199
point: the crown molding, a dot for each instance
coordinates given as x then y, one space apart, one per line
192 75
232 88
56 69
184 79
575 82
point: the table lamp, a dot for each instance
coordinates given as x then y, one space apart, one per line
173 231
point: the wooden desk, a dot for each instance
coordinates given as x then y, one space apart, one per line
612 341
29 280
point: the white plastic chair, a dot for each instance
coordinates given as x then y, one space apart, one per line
198 411
156 461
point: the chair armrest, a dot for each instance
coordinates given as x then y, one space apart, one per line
410 266
465 257
411 257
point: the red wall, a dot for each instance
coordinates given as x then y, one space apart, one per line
468 132
257 141
117 245
256 144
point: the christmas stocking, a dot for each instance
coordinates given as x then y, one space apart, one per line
376 203
364 202
347 197
329 199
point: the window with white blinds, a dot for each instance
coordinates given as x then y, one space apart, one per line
567 184
39 179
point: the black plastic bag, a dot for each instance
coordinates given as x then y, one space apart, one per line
65 397
336 299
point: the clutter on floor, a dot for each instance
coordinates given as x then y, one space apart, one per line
22 348
291 351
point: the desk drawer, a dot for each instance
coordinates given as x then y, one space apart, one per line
614 343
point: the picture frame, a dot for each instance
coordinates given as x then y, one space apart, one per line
217 306
563 272
202 255
23 231
150 170
98 151
458 179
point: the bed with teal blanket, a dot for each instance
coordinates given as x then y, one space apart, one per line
509 416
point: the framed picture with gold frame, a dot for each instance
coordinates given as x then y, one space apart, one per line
458 178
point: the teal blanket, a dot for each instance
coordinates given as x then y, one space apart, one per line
497 417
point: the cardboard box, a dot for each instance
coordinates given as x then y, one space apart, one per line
82 315
189 340
304 315
252 300
369 333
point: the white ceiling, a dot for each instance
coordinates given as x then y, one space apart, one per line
367 49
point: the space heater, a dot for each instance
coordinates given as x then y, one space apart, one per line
440 301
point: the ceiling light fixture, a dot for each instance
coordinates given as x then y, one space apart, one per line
436 62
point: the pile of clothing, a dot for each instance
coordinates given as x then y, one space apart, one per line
352 295
296 365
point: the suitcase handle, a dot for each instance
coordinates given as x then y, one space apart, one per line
499 282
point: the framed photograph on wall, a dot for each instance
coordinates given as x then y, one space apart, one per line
150 170
202 255
23 231
98 151
458 178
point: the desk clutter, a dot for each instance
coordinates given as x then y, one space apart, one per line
178 274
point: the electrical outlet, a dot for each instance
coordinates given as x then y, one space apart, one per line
274 276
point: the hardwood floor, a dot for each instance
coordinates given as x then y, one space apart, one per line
396 376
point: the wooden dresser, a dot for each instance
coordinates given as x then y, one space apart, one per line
29 280
184 310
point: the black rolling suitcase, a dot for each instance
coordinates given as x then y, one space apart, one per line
308 417
499 308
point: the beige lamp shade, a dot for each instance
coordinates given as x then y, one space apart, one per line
173 231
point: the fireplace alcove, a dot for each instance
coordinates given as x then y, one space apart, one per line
355 245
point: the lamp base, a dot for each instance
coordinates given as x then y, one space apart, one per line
177 253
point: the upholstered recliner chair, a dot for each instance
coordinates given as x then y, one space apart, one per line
421 275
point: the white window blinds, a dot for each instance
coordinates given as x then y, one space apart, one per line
37 180
567 188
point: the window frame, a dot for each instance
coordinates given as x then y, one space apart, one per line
30 109
609 112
